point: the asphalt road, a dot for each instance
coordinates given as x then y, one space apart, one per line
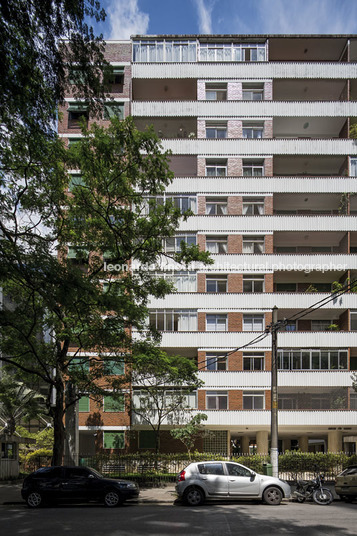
158 514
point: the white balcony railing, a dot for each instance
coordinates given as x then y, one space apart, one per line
288 184
214 340
260 70
262 379
308 420
265 224
247 301
285 146
243 108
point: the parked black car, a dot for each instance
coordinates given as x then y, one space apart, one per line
75 484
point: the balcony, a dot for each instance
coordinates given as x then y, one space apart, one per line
288 146
288 184
259 70
266 224
194 108
262 380
307 420
260 301
230 340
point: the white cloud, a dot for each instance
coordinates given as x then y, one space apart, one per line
307 16
204 17
126 19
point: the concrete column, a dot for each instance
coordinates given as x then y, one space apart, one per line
334 443
262 442
244 445
286 444
304 443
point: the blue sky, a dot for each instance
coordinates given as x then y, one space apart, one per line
130 17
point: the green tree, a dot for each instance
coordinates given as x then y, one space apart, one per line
162 386
190 432
57 310
17 403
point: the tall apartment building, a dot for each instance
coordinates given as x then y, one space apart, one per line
259 130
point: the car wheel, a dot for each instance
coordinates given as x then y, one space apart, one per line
34 499
112 498
194 497
272 496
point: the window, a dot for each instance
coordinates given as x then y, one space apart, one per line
232 52
253 92
113 440
83 404
253 130
237 470
115 75
211 469
216 206
286 287
74 181
183 203
183 281
164 51
216 361
216 130
353 319
216 400
216 92
253 283
353 167
78 254
77 112
216 283
112 404
113 367
290 326
8 450
147 439
253 206
253 399
353 403
217 244
287 402
216 322
113 109
320 325
253 244
253 168
173 244
253 361
312 359
79 364
253 322
216 168
175 397
171 320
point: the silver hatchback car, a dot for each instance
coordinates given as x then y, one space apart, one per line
228 480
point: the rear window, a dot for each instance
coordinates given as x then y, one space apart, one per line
48 472
211 468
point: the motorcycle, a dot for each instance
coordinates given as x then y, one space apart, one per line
307 489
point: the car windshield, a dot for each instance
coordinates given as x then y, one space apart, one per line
98 475
349 471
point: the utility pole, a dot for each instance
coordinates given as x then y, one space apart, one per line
274 395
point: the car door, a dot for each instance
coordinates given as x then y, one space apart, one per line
76 484
242 481
48 482
349 480
213 478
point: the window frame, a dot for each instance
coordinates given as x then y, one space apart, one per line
217 397
217 320
255 396
254 320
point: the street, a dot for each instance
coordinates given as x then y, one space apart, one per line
158 513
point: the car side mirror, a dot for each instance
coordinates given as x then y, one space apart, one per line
252 477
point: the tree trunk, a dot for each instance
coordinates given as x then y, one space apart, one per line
58 425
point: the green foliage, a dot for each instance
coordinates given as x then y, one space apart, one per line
190 432
18 402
